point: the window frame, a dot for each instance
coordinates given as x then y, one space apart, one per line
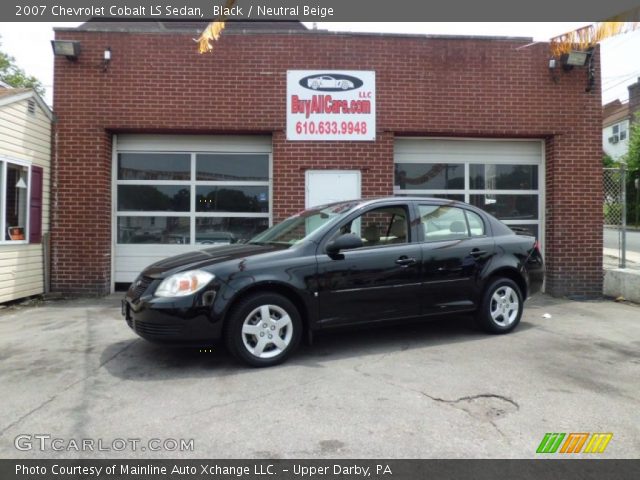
465 212
408 209
482 220
415 153
192 214
4 162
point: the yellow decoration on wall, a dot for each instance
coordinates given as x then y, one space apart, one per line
587 37
213 30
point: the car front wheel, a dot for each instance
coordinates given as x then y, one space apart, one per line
264 330
501 307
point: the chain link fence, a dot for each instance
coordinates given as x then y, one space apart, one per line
615 217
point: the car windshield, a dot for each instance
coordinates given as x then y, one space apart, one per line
295 229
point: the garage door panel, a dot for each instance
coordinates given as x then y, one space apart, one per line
520 151
503 177
177 193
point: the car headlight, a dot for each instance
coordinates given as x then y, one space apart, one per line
183 284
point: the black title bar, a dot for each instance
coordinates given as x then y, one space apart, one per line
315 10
342 469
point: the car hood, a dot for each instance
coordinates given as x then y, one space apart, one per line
205 258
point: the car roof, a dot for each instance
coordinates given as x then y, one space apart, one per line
368 201
438 201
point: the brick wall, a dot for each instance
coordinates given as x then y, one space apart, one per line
425 86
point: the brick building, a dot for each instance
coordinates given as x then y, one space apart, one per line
146 142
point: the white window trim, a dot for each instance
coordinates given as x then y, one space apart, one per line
192 214
190 145
4 160
409 154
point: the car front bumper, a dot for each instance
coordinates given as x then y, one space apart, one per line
186 320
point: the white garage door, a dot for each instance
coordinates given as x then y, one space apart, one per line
174 194
503 177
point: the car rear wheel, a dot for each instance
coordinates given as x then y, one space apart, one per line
501 307
264 330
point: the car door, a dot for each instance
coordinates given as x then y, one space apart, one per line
380 280
457 245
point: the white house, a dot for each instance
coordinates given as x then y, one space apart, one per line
25 169
617 117
615 129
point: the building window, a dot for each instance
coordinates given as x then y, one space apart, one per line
510 192
619 132
191 198
14 187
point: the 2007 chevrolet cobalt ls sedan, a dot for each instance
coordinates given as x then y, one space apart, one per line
348 263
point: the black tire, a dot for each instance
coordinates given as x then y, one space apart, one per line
261 342
497 313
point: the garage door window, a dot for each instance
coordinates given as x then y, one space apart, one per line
509 190
189 198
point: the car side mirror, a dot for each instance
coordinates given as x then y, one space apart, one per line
346 241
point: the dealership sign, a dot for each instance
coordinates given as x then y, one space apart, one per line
331 105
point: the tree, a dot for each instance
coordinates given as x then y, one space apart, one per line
632 158
13 75
608 162
633 155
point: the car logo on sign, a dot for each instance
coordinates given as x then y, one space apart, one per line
331 82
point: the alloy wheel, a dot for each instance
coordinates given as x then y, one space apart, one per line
267 331
504 306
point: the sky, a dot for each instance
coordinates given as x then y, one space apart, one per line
30 44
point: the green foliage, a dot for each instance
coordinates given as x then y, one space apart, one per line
632 158
633 155
13 75
608 162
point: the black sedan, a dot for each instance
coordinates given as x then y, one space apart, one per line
349 263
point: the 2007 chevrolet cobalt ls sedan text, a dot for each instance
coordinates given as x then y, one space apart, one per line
347 263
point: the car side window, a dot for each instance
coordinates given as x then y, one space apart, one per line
476 225
442 222
380 227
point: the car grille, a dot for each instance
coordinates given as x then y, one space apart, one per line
141 287
154 329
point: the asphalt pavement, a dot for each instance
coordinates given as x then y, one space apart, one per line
74 371
633 239
611 249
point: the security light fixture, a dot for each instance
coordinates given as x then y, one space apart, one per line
577 58
67 48
552 63
106 59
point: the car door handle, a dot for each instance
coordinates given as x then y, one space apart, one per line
476 253
406 261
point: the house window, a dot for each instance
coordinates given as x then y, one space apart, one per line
620 130
14 185
191 198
